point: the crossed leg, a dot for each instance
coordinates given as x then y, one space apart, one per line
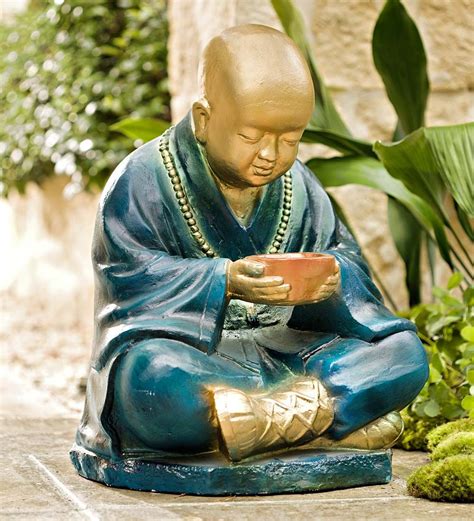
365 381
161 399
369 380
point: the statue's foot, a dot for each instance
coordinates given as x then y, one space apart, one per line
382 433
289 416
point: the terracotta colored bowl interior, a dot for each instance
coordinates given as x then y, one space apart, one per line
305 272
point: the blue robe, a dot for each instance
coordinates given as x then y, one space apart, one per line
165 331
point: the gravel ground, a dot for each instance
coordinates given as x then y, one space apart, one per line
43 361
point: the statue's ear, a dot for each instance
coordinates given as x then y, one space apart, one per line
201 115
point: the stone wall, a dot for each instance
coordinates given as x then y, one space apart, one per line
46 281
341 34
46 299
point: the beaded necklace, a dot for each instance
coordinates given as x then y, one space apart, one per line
189 213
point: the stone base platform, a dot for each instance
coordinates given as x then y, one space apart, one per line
295 472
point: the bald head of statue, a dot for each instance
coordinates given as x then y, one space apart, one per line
256 99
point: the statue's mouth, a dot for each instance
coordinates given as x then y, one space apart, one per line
261 171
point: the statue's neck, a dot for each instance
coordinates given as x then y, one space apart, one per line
241 200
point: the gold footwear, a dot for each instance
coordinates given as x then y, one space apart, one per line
290 415
382 433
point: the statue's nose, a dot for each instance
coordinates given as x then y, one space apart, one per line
269 151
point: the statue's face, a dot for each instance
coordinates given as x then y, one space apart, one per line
250 143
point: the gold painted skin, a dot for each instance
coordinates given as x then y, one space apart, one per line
189 213
253 109
294 415
382 433
289 416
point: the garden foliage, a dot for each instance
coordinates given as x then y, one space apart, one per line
69 70
421 170
446 328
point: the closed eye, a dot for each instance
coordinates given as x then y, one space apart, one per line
250 139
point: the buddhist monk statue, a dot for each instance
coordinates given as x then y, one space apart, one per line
194 352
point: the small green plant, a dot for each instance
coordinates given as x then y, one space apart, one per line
416 431
446 328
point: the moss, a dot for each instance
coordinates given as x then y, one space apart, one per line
437 435
451 479
457 443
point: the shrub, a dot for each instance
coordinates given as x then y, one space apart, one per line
69 69
447 331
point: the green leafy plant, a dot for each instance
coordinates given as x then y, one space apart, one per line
446 328
69 70
419 172
416 431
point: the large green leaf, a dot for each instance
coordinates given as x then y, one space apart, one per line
452 149
407 235
400 59
369 172
430 160
465 222
344 144
342 217
144 129
410 161
325 115
431 250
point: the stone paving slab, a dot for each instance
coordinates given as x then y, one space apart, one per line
37 481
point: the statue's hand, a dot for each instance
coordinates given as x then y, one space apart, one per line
245 281
330 285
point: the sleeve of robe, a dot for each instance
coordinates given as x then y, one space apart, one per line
356 309
145 289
